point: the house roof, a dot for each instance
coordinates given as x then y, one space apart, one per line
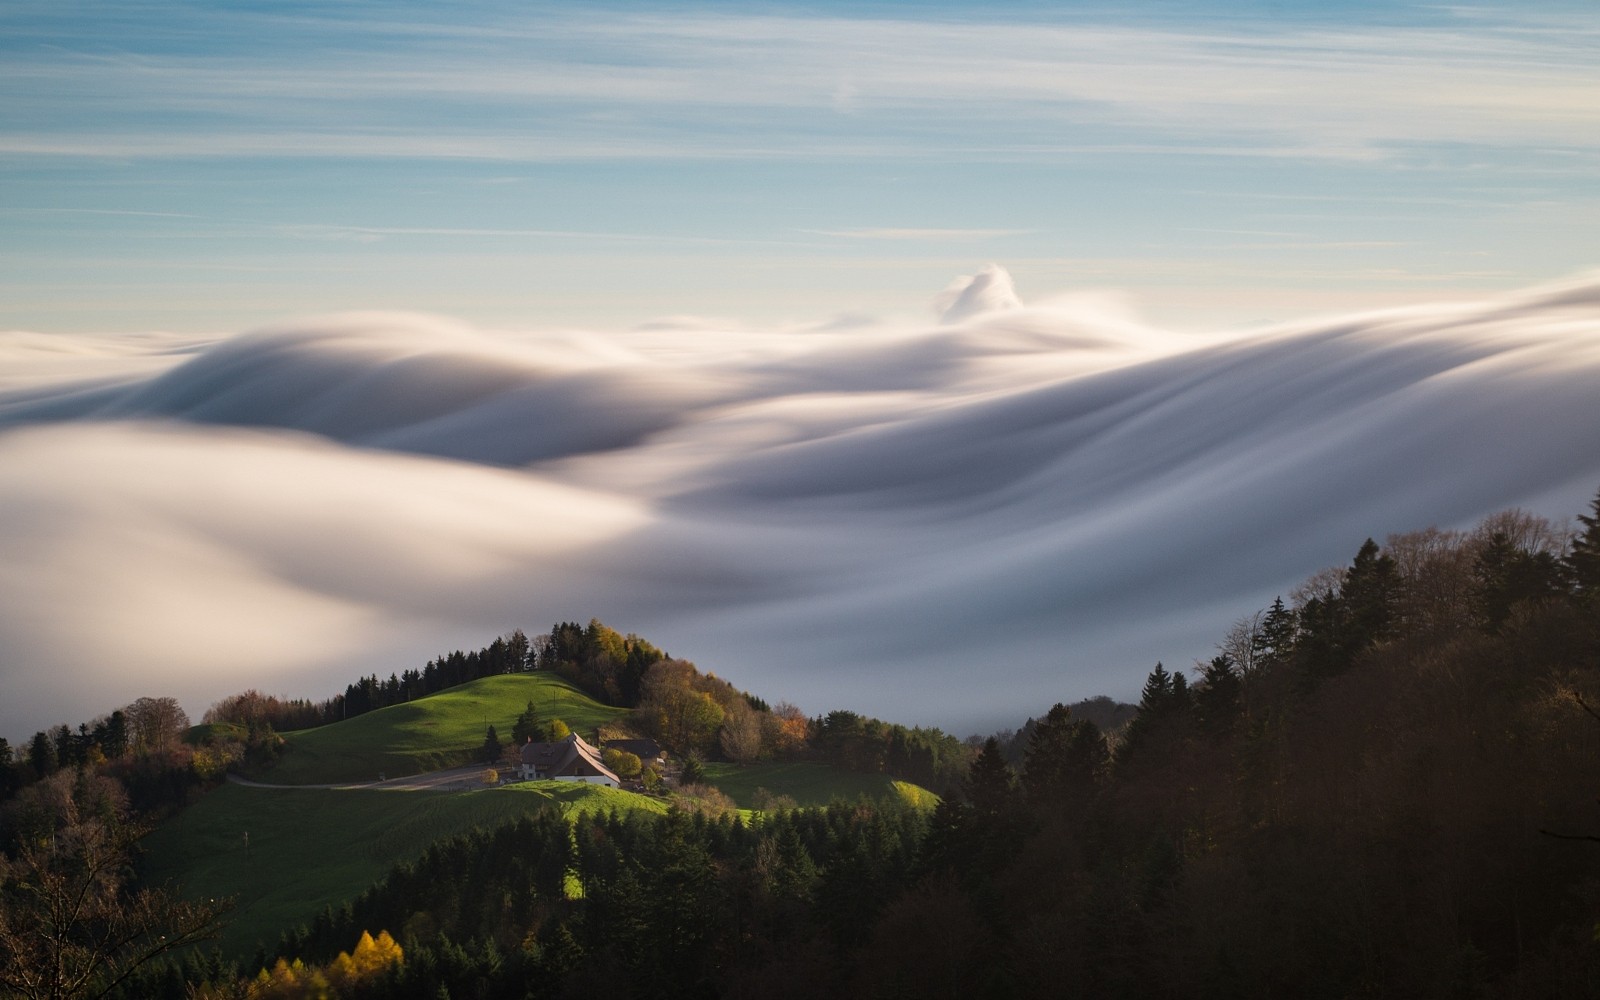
644 749
571 757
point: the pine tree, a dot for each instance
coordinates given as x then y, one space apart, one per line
1370 594
1165 706
1505 575
1045 761
42 756
528 726
8 779
1157 691
991 786
1217 700
1276 638
491 746
1582 562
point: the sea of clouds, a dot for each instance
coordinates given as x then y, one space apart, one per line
954 524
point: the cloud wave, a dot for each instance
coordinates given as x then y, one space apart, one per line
954 524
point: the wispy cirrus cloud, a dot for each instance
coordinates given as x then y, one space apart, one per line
641 151
551 83
919 234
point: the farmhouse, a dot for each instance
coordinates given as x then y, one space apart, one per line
647 750
571 759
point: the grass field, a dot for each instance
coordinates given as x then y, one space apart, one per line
441 730
309 847
810 784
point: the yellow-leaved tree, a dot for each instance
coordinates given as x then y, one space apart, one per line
369 960
341 977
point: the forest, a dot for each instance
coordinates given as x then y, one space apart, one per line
1383 783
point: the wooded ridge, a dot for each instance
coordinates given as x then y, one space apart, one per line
1382 783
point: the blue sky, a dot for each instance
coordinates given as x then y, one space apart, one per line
212 167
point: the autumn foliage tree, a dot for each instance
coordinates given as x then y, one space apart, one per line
345 976
677 708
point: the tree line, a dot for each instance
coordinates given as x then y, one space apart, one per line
695 715
1382 785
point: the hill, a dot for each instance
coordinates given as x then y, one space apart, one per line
287 852
441 730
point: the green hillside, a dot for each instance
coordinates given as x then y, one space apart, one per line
810 784
441 730
309 847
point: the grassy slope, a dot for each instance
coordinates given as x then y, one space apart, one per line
810 784
441 730
310 847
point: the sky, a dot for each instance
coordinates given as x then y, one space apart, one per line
935 361
213 167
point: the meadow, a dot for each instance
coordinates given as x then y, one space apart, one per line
442 730
809 784
285 853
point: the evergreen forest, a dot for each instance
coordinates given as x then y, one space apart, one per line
1381 784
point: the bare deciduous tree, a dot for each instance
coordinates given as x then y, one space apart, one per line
1243 641
741 734
155 723
70 927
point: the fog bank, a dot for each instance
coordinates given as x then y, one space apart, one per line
957 524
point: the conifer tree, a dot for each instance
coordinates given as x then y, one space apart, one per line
1505 575
528 726
990 783
1045 761
1157 691
1582 562
42 755
1370 593
1217 700
1164 703
1276 638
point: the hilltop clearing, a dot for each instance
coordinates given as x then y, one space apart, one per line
439 731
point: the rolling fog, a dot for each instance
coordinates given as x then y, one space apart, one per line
954 524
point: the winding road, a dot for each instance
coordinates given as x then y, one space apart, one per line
450 779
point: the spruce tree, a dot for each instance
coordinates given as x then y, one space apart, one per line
990 783
1157 691
1217 701
1370 593
1505 575
528 726
1275 641
41 756
1044 762
1582 562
